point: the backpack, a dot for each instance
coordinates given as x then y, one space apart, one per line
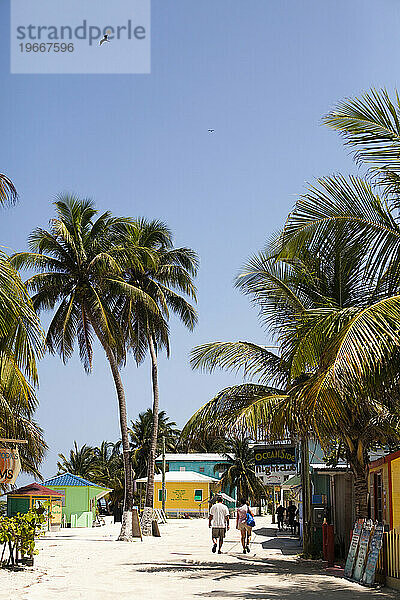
250 519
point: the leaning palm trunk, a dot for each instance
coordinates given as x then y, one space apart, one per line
148 510
126 528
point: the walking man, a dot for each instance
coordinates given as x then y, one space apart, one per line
219 521
291 513
279 513
241 524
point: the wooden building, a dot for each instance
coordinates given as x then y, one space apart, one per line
384 487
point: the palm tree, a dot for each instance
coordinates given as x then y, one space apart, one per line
306 301
80 277
81 462
168 275
21 343
239 474
141 435
108 471
8 192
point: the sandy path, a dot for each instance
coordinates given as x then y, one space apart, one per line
90 564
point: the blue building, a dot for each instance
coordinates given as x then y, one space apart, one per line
198 463
203 463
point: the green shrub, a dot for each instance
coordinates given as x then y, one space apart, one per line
18 535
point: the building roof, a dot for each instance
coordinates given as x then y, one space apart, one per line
195 457
182 476
67 479
34 489
292 482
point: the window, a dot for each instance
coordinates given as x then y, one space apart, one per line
182 468
160 495
201 470
378 493
198 495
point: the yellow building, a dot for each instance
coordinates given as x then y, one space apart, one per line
186 491
384 485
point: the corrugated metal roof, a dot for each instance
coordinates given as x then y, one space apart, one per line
34 489
70 479
195 457
182 476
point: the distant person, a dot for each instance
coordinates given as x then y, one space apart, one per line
280 511
219 521
241 524
291 513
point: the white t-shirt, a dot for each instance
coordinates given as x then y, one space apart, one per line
219 511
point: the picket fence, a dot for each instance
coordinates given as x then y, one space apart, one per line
388 567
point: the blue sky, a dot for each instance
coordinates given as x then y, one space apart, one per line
261 73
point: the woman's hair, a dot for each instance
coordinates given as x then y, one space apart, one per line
243 500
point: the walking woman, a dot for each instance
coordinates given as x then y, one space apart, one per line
241 524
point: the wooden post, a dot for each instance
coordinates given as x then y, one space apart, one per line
163 489
306 496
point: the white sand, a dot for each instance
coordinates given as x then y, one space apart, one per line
90 564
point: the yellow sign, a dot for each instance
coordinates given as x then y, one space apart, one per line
179 495
10 465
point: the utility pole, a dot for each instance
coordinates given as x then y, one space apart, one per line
306 496
163 490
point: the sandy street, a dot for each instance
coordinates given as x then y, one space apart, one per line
90 564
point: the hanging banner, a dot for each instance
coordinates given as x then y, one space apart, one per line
10 465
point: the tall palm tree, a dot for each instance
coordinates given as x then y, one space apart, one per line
81 462
239 473
80 276
164 279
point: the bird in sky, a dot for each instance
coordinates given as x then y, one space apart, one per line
105 38
211 130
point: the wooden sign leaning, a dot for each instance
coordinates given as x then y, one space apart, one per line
353 550
365 546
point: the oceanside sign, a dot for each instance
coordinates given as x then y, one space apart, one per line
10 465
275 455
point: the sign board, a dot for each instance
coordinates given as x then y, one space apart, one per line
273 478
10 465
56 513
362 551
375 545
351 557
275 455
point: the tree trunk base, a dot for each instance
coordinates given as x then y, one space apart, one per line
126 533
147 518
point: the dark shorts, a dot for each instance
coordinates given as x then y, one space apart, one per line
218 532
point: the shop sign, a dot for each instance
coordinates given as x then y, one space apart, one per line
10 465
275 455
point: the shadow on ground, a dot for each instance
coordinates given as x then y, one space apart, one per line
281 579
287 544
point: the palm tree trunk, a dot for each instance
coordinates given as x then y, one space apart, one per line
361 495
126 528
148 510
358 460
154 435
306 497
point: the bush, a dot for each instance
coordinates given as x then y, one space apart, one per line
18 534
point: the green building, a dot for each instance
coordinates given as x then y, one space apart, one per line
79 498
